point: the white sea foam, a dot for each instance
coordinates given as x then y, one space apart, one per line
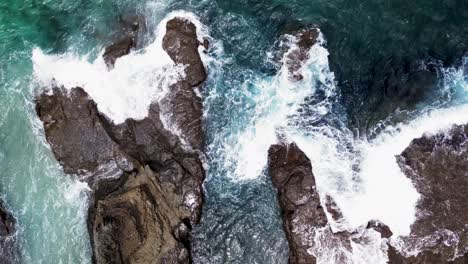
136 81
277 99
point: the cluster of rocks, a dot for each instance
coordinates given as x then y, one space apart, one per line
146 181
436 164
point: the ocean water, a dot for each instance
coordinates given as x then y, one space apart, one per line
345 115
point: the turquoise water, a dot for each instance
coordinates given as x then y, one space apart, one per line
371 44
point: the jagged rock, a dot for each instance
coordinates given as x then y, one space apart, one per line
8 247
382 228
291 173
131 28
134 222
77 137
184 110
181 43
437 165
144 212
150 143
117 50
333 208
299 53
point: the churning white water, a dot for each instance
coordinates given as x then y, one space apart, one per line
126 91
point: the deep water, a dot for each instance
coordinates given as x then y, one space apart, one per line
390 62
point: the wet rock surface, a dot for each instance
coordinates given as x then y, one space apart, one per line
8 249
291 174
181 43
147 184
294 48
76 135
131 28
437 166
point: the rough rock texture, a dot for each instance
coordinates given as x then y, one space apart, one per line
437 165
147 184
299 53
291 173
181 43
117 50
184 110
76 135
382 228
8 249
131 28
137 222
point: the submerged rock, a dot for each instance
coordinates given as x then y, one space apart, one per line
291 173
437 165
181 43
8 248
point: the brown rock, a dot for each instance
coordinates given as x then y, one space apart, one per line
299 54
437 165
291 173
8 247
77 137
118 49
383 229
181 43
134 222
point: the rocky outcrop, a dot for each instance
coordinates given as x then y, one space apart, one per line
182 106
77 137
131 28
147 183
437 165
181 43
291 174
293 50
8 249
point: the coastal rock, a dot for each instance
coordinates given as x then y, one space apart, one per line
181 43
291 173
437 165
382 228
134 222
298 53
76 135
117 50
184 110
131 28
8 249
147 184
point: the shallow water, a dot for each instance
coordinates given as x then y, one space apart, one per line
342 116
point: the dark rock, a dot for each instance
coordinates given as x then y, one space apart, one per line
299 53
184 110
77 137
134 223
333 208
8 246
181 43
437 165
383 229
425 257
291 173
117 50
130 31
150 143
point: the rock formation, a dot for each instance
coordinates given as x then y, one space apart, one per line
131 28
437 166
291 174
8 249
147 184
